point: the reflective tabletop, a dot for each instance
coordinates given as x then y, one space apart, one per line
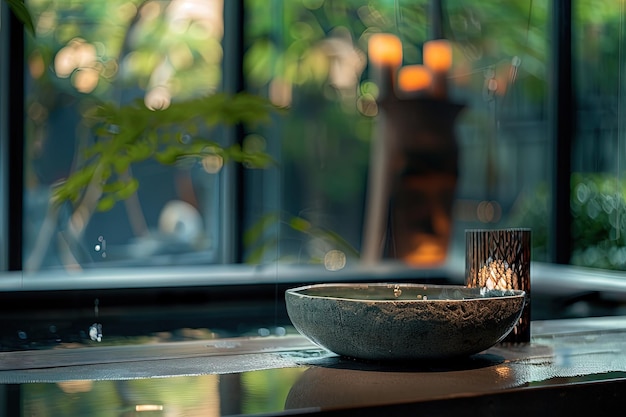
574 362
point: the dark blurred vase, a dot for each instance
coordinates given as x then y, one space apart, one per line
423 171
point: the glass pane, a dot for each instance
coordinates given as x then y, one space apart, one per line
114 86
598 170
124 156
312 57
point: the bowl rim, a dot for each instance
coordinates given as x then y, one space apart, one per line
298 291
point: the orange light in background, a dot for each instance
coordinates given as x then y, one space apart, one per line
428 253
85 80
212 164
280 92
503 371
489 211
334 260
159 98
36 64
65 62
148 407
413 78
438 55
385 50
502 78
75 386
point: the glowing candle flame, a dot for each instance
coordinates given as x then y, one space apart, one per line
385 49
438 55
414 78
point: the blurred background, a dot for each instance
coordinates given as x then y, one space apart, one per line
309 58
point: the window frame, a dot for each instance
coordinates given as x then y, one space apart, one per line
11 126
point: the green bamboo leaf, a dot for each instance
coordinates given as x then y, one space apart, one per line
61 193
129 188
254 233
106 203
258 160
255 256
139 151
168 156
23 14
112 187
299 224
121 164
191 129
334 238
153 138
133 133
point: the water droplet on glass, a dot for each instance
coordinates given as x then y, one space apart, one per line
264 332
22 335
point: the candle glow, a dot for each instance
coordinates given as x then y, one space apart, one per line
385 49
414 78
438 55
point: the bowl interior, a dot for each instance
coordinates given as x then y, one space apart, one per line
395 292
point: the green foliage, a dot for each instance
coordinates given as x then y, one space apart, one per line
598 207
599 221
134 133
20 10
258 239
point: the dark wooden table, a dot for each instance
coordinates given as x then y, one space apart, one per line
571 367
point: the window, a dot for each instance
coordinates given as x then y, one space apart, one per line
132 180
98 75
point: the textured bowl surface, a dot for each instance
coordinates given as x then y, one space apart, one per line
389 321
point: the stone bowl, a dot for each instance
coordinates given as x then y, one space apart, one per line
387 321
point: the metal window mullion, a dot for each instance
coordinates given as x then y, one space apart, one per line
11 140
562 122
231 192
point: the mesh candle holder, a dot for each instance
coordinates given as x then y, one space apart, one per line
500 259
